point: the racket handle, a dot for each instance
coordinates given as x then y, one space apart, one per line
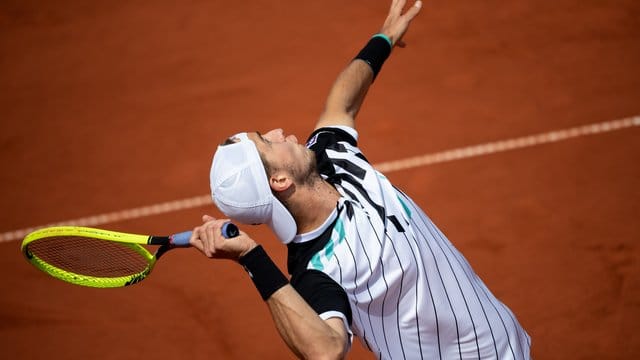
229 230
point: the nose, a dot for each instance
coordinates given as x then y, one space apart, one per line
292 138
276 135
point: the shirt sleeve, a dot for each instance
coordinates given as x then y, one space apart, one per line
323 294
338 139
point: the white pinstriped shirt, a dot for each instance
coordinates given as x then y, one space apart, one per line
411 293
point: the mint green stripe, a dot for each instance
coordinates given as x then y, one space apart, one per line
328 249
316 263
384 37
406 208
340 230
337 237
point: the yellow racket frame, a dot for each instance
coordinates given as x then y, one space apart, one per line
131 240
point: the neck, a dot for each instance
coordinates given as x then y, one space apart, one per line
312 204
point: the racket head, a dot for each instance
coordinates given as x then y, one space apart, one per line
89 257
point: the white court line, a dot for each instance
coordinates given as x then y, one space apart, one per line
386 167
510 144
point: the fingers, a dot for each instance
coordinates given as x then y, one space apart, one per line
413 11
398 5
207 237
397 23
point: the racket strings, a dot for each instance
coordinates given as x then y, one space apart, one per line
88 256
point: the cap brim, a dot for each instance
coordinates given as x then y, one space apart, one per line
282 223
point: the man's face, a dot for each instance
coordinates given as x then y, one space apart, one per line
283 153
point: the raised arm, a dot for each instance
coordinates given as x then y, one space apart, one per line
351 86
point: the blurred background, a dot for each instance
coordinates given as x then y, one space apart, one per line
108 106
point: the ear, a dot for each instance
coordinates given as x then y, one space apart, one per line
280 181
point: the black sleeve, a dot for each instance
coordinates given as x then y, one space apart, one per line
329 138
322 137
322 293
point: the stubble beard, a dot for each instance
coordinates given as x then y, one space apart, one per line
308 176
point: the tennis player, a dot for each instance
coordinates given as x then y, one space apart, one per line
364 259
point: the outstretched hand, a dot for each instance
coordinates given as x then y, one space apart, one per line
397 23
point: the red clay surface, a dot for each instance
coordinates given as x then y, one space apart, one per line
106 106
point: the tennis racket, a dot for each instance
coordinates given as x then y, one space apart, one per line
100 258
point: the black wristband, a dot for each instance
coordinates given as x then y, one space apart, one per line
266 276
375 53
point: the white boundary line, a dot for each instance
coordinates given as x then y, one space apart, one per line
505 145
386 167
116 216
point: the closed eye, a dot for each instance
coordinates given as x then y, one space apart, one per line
265 140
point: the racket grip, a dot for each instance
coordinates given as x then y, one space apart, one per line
229 230
181 239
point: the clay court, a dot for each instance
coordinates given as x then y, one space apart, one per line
515 125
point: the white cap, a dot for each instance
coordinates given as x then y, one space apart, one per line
240 189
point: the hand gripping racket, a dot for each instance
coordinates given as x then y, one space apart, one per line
100 258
